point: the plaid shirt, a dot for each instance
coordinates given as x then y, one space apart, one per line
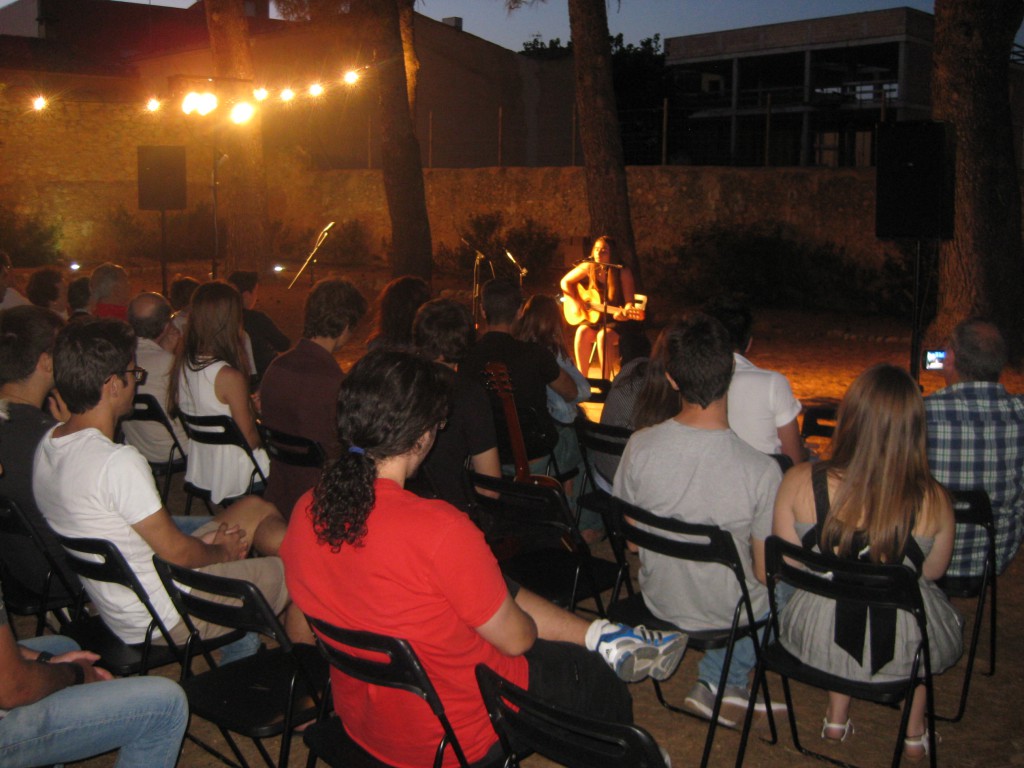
976 440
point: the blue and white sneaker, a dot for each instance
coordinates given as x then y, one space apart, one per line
633 653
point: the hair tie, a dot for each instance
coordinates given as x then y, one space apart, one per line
356 449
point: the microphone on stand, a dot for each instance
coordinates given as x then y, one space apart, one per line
327 228
522 270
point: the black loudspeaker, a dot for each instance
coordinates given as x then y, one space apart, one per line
915 180
162 179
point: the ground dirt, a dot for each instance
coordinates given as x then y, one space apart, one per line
821 353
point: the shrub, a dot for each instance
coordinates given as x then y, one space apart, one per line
28 239
534 246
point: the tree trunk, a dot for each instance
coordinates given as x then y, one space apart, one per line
401 164
412 62
604 167
246 190
980 269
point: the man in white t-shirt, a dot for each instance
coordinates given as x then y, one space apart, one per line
88 486
762 409
8 296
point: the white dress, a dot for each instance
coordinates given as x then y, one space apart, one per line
222 469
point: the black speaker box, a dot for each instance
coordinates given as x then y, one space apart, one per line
915 180
162 179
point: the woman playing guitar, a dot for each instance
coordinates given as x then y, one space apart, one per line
598 299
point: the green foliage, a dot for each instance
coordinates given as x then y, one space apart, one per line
534 246
773 267
28 239
128 238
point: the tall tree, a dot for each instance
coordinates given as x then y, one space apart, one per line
385 25
247 242
603 165
980 269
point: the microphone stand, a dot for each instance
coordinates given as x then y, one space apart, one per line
522 270
319 242
604 313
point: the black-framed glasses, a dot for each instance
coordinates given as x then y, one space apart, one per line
139 374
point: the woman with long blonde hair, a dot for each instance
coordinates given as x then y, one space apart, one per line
209 379
874 500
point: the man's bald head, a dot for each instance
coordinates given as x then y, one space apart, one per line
148 314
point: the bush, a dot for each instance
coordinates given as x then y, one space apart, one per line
28 240
534 246
773 267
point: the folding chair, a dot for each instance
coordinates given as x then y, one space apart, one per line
563 572
857 583
292 450
974 508
819 418
147 408
100 560
391 663
24 553
704 544
217 430
259 697
526 724
599 388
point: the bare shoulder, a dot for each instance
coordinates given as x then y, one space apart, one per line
936 513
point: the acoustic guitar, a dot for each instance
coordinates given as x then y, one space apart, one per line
593 308
498 380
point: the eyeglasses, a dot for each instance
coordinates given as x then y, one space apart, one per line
139 374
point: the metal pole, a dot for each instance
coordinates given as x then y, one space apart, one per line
768 132
369 141
499 134
664 131
430 139
163 250
216 226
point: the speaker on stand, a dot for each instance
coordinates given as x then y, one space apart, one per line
162 188
915 185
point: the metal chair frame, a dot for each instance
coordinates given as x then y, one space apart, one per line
217 430
146 407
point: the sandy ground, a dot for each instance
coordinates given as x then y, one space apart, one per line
821 354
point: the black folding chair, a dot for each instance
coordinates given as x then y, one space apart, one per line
260 696
147 408
391 663
599 389
100 560
217 430
23 556
602 441
819 418
526 724
291 449
706 544
563 571
856 583
974 508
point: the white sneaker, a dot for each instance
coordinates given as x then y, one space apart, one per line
633 653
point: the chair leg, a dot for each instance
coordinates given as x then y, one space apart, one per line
992 625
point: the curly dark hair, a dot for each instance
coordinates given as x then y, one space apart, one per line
388 401
332 307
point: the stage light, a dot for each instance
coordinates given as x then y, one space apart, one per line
260 94
74 266
242 113
153 105
278 268
203 103
39 103
287 94
316 90
351 77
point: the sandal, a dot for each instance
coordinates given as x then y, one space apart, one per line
917 747
846 728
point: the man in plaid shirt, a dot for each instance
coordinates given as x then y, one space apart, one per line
976 440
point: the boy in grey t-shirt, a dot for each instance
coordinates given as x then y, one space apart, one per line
693 468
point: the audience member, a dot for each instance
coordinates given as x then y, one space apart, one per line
78 297
48 289
762 409
620 404
449 599
267 339
27 335
209 379
396 308
693 468
109 291
443 332
874 500
59 708
149 315
180 295
299 393
976 441
8 296
88 486
531 368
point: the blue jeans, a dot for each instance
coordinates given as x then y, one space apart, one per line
144 717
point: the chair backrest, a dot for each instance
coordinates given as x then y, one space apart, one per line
704 543
219 430
15 524
597 442
392 664
293 450
973 507
248 610
599 389
819 418
146 407
530 504
524 722
100 560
